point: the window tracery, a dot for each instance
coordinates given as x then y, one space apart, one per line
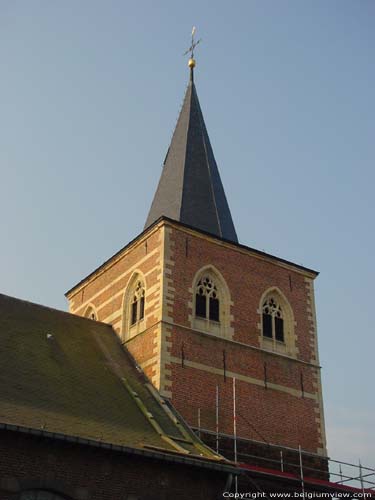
273 320
134 303
277 323
211 303
207 303
137 308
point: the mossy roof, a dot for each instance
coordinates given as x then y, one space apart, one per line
71 375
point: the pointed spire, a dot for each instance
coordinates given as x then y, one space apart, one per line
190 189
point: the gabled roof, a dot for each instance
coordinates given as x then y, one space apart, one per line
190 189
64 374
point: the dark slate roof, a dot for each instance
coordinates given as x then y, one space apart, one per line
70 375
190 189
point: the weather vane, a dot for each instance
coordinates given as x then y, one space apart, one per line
191 49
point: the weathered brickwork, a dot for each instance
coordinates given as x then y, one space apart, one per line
279 395
105 290
87 473
262 414
143 349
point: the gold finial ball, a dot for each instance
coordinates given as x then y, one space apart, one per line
191 63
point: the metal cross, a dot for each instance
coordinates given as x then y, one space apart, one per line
193 44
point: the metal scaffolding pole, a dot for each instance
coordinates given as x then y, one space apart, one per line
235 430
361 477
217 419
199 422
301 471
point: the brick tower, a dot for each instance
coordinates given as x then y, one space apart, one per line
196 308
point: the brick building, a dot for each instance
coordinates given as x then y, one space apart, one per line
170 326
197 309
79 420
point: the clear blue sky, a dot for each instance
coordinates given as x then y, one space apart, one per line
90 93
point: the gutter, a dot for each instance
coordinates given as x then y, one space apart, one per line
158 455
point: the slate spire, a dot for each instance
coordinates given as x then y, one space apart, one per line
190 189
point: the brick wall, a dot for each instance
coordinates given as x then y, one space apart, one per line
278 396
87 473
105 290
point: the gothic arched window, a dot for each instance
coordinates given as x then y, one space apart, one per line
207 304
273 320
137 307
133 317
90 313
277 323
211 303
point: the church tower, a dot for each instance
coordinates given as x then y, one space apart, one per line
197 309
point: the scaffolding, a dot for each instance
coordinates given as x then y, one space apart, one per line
307 468
344 476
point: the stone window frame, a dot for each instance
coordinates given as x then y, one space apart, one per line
288 345
91 312
129 329
219 328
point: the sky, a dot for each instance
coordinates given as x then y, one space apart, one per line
90 94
